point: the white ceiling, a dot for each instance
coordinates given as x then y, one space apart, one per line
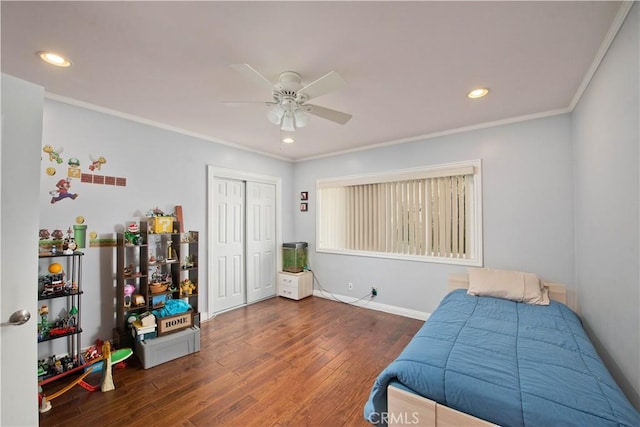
409 65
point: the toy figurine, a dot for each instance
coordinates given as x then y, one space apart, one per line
69 244
107 378
187 287
43 327
129 289
44 234
132 234
73 317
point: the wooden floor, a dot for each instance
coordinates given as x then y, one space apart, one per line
275 363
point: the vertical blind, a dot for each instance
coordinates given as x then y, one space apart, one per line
425 216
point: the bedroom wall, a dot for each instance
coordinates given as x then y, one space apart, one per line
162 168
527 209
606 159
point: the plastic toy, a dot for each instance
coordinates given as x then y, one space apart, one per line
117 357
69 244
55 268
187 287
132 234
129 289
107 377
43 326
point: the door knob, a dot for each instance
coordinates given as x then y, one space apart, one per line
18 318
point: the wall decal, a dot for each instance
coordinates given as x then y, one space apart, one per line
88 178
62 191
54 153
96 163
101 240
74 168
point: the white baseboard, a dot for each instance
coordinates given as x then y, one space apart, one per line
372 305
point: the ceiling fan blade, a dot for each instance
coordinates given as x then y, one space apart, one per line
241 103
328 113
252 74
330 82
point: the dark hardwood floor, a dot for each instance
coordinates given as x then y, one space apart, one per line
275 363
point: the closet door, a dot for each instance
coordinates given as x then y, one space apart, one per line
261 241
227 220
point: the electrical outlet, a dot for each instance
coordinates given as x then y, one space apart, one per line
350 286
374 291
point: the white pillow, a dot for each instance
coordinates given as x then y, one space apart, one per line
512 285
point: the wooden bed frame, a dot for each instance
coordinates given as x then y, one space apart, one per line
408 409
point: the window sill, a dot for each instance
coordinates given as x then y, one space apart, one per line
468 262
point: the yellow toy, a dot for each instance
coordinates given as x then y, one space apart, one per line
55 268
187 287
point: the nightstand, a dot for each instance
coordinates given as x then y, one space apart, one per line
295 285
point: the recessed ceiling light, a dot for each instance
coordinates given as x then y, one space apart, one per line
54 59
288 140
478 93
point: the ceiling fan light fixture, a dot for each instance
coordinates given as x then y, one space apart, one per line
288 123
54 58
275 115
478 93
301 118
288 140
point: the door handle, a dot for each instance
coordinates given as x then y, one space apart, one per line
18 318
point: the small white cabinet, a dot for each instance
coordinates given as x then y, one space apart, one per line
295 285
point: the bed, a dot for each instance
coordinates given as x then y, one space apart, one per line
482 360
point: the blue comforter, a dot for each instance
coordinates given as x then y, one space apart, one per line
509 363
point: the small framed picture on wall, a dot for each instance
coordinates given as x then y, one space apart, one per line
303 207
304 195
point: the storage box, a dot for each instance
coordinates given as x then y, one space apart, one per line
164 349
141 333
142 336
161 224
170 324
294 257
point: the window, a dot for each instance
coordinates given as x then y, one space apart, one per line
428 214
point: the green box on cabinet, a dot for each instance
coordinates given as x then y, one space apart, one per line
294 257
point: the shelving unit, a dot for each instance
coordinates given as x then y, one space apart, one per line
131 275
62 291
151 272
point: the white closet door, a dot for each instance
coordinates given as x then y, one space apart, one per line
261 241
228 245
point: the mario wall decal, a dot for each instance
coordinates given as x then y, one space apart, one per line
62 191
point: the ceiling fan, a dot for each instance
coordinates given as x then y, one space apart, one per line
289 109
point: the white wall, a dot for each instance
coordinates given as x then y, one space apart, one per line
605 144
162 168
527 209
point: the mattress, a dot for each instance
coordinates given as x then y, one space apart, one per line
509 363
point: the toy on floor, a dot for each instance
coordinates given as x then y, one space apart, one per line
107 378
95 362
